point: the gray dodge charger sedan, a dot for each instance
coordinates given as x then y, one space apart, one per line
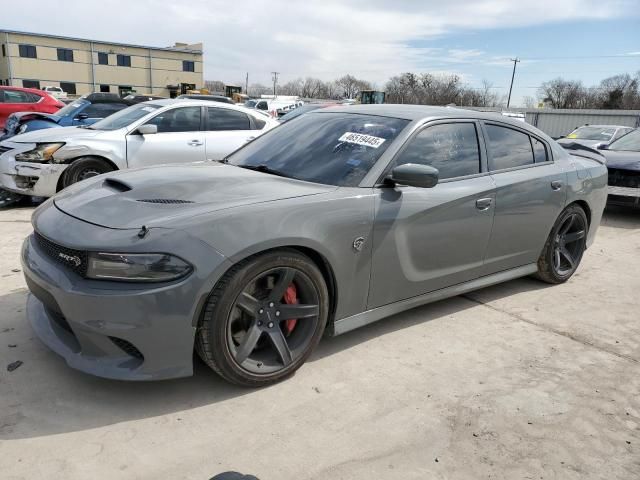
329 222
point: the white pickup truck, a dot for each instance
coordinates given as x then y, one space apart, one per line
55 92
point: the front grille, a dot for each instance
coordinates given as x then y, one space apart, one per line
624 178
74 260
127 347
164 200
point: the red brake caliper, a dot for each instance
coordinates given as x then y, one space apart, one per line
290 298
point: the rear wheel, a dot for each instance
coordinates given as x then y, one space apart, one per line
565 246
83 168
264 318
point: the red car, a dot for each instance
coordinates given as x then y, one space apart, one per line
16 99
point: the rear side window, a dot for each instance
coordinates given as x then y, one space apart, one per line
219 119
509 148
452 148
185 119
17 96
539 150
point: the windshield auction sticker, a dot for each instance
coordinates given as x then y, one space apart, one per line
361 139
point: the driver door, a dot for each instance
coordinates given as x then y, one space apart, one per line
425 239
180 139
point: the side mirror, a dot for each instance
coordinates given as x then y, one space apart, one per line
414 175
147 129
82 116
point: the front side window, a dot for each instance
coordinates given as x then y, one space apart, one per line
452 148
124 60
17 96
27 51
124 117
184 119
65 55
328 148
509 148
102 110
188 66
219 119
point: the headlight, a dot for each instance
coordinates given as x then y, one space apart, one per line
42 153
136 267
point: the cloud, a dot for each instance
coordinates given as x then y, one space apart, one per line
369 38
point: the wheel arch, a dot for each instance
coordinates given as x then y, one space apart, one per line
69 161
318 259
585 206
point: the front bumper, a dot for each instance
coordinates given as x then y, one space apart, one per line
36 179
118 330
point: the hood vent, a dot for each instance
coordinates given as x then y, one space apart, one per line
173 201
118 185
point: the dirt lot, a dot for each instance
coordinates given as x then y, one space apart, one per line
518 381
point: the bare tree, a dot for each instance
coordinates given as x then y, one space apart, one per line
257 89
214 85
560 93
529 102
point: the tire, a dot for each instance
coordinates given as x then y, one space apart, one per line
231 324
83 168
564 247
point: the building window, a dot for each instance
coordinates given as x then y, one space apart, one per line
4 50
124 60
68 87
188 66
31 84
27 51
105 88
103 58
124 90
65 55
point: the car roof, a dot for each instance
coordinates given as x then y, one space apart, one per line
193 102
419 112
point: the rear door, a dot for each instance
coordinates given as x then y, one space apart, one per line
530 194
180 139
426 239
226 130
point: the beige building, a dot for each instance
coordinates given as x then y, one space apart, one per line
81 66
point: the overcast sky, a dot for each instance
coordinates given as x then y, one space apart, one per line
372 39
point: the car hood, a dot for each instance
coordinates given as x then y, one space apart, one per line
48 116
622 160
61 134
156 196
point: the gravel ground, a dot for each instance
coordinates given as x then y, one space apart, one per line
518 381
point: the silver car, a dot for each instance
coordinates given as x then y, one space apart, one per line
334 220
595 135
44 162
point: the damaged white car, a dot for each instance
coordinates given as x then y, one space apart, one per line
44 162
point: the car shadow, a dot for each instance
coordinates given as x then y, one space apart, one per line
33 396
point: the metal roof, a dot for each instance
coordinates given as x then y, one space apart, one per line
103 42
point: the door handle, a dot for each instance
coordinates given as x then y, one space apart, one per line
249 139
483 203
556 185
194 143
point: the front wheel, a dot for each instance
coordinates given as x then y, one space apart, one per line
264 318
565 246
83 168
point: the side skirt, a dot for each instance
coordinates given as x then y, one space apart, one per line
361 319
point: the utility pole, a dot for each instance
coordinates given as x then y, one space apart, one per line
515 62
275 81
246 84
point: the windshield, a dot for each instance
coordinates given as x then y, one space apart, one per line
250 103
329 148
125 117
592 133
299 111
630 142
72 108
